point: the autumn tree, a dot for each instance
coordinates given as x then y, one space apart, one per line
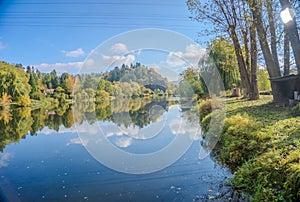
14 82
232 18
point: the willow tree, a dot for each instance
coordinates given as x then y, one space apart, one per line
221 51
232 18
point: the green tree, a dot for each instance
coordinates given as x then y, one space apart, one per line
222 52
263 80
54 79
13 81
191 83
232 18
67 82
34 94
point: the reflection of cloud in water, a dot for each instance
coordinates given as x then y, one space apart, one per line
83 142
114 130
4 158
62 129
184 126
123 142
88 128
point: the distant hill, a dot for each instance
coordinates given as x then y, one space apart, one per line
137 73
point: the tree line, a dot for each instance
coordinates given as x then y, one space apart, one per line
21 86
257 35
221 54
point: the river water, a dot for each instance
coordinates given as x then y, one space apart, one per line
53 156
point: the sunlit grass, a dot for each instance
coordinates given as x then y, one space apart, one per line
261 145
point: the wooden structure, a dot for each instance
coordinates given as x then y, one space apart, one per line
286 85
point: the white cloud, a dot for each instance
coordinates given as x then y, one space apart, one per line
119 48
71 67
123 142
74 54
192 55
117 60
4 158
104 62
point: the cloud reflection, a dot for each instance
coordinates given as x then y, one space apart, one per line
4 158
123 142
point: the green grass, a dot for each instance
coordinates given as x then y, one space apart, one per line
261 110
261 145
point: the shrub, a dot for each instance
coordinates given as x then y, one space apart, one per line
296 110
213 127
241 140
207 106
275 174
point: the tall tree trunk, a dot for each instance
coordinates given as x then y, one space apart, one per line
253 56
256 9
270 11
246 48
291 28
241 62
273 70
286 52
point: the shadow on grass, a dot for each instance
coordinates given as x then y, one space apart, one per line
263 110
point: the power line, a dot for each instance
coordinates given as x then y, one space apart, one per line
138 3
112 17
92 25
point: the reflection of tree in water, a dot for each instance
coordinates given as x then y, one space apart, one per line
17 123
137 112
16 128
143 116
56 120
126 112
23 121
5 115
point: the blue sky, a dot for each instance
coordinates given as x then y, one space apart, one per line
61 33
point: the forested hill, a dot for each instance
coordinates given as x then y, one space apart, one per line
136 73
20 85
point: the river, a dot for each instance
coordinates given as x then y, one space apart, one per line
68 155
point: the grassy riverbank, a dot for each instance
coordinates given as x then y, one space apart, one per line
261 145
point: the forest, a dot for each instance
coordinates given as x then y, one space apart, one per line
24 87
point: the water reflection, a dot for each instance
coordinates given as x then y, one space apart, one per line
4 159
56 166
130 115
